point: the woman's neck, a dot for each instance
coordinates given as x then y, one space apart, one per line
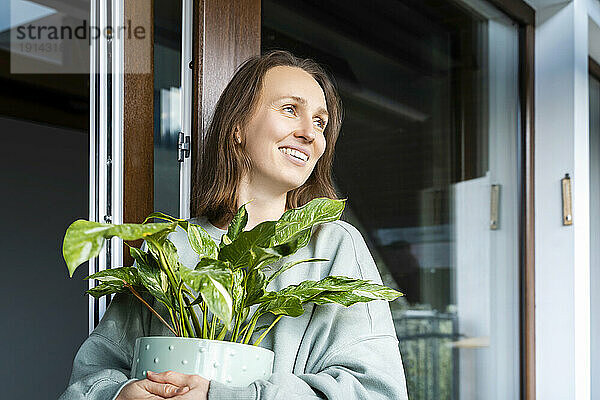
262 204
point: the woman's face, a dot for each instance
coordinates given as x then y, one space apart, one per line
285 135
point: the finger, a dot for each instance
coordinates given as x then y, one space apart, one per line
199 392
193 394
164 390
172 377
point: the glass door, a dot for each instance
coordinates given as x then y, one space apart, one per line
172 105
428 159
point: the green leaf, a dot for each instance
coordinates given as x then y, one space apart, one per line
341 290
244 314
255 286
295 220
224 241
129 275
170 252
201 242
159 243
158 215
155 281
261 257
264 256
237 290
159 238
138 255
163 216
105 288
343 298
282 304
238 252
238 223
291 264
84 239
213 279
207 267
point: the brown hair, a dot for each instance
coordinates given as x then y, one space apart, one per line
224 162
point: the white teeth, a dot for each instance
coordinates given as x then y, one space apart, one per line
295 153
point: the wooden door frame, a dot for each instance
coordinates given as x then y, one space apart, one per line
226 32
138 122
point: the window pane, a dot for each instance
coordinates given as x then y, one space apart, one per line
428 147
167 119
44 187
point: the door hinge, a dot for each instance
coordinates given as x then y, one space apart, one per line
183 147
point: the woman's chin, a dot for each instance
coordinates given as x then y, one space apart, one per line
291 185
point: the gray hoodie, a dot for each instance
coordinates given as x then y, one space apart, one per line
328 352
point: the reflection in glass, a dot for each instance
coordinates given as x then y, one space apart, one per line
431 123
167 101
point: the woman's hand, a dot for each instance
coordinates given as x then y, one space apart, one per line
198 386
149 390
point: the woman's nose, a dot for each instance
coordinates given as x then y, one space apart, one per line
306 130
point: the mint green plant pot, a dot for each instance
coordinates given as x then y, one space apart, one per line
233 364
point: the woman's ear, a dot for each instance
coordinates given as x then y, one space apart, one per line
238 138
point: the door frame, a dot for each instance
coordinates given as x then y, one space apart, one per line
524 15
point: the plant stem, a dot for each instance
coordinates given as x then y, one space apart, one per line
244 329
136 294
165 265
166 268
197 327
236 329
267 331
222 333
174 321
213 326
204 321
185 322
253 322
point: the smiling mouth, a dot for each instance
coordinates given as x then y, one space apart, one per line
296 160
294 153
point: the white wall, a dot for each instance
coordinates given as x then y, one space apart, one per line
562 252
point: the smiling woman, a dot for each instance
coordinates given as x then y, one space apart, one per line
283 140
269 147
277 105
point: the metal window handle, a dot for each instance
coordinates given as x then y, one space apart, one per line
183 147
566 200
494 207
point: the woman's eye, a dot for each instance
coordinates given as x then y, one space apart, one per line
320 123
285 108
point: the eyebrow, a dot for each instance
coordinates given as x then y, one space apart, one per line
303 101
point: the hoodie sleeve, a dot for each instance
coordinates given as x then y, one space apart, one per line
354 351
103 362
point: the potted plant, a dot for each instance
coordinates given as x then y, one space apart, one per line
229 280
